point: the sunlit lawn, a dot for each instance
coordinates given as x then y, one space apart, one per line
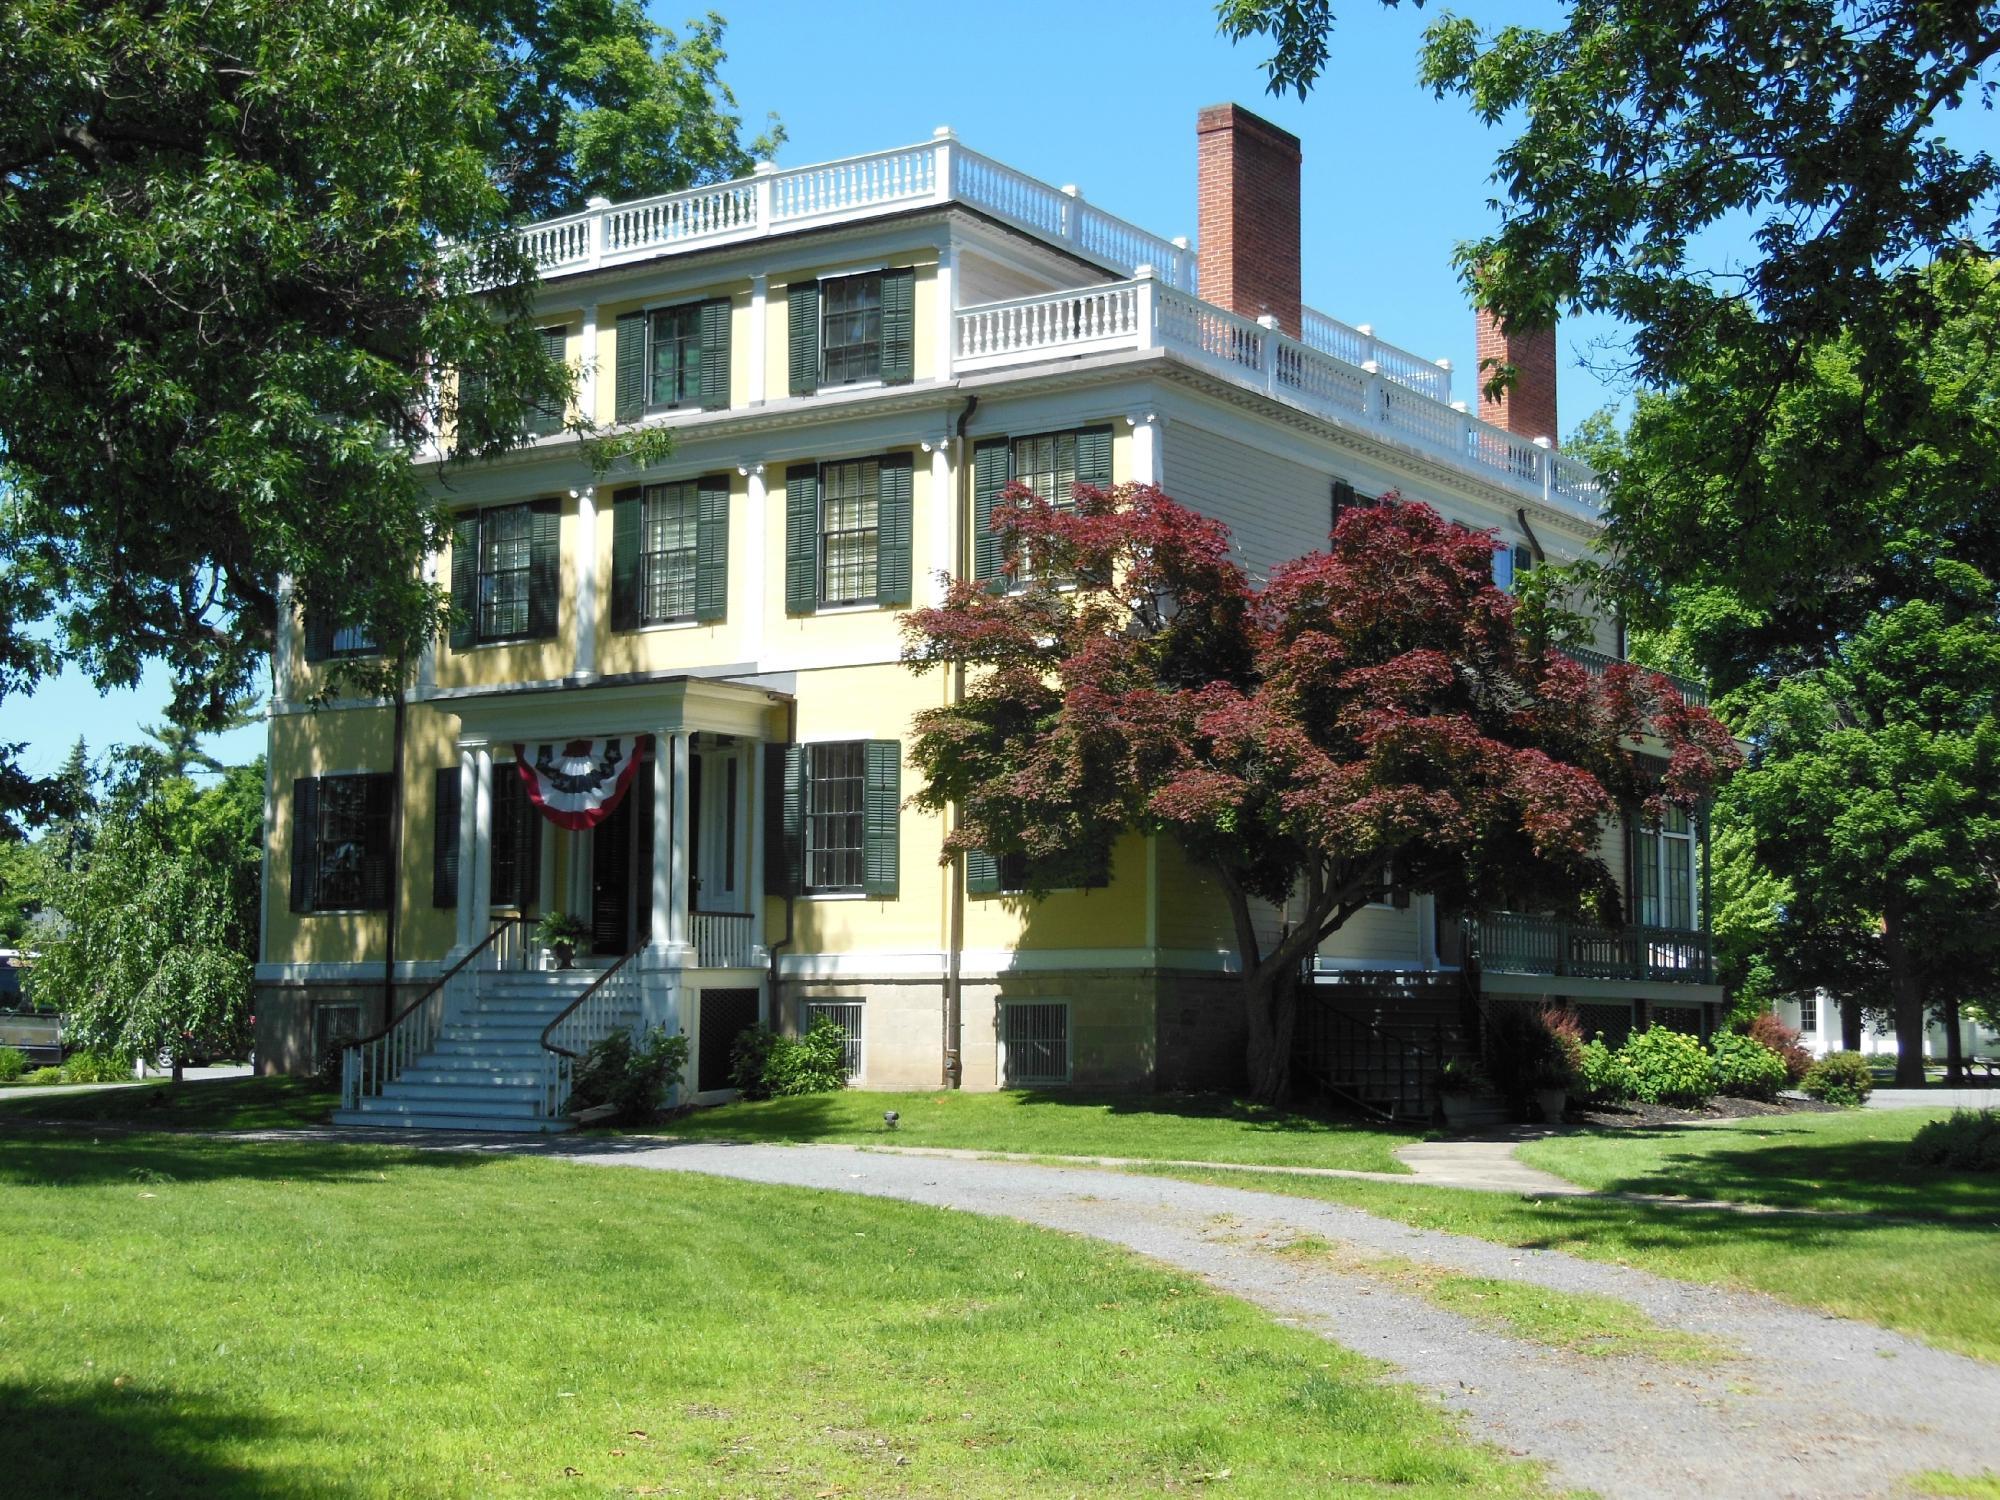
189 1316
1153 1127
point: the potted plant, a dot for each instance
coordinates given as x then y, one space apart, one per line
1459 1082
559 933
1558 1061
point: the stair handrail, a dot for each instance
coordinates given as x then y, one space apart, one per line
558 1062
1423 1060
402 1049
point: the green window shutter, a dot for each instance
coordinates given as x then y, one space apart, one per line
628 514
444 839
545 569
892 531
517 842
317 634
784 820
882 808
1343 501
802 313
801 539
631 367
982 873
305 840
711 548
464 581
899 326
1093 457
378 850
548 418
991 462
715 354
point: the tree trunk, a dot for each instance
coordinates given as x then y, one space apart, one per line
1850 1023
1907 996
177 1067
1271 1006
1954 1048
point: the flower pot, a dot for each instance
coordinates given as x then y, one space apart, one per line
1458 1110
564 953
1552 1102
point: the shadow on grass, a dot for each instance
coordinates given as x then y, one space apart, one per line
106 1440
203 1104
1866 1176
69 1159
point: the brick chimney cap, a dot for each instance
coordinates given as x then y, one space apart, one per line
1235 117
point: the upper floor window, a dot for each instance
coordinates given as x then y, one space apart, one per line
327 638
505 573
673 358
847 533
1511 563
849 330
1663 857
670 552
547 417
340 842
1050 463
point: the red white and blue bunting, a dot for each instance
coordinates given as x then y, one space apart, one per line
579 783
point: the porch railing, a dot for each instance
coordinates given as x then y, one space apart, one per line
1595 663
724 939
612 1003
370 1062
1516 943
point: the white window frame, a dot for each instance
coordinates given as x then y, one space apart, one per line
1068 1043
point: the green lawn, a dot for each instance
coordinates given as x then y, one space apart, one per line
204 1104
186 1316
1151 1127
1852 1161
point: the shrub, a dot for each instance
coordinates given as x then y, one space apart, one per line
1534 1049
13 1063
1460 1078
1603 1074
1969 1141
1839 1078
765 1065
1746 1068
1783 1040
44 1075
94 1067
631 1076
1668 1067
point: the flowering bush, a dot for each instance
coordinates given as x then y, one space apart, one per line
1668 1067
1603 1074
1783 1040
1746 1068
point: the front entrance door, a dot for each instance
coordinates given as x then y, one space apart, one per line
621 872
714 796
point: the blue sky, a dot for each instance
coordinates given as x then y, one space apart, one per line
1104 97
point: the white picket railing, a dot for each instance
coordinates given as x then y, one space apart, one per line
368 1064
723 939
1143 313
1359 346
612 1003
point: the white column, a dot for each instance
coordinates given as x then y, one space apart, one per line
283 641
663 837
678 935
586 374
947 312
944 522
468 836
1145 447
747 596
584 568
753 866
760 313
550 898
481 884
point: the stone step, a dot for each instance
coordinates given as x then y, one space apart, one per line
501 1094
447 1120
470 1070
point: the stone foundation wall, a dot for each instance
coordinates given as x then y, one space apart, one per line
287 1018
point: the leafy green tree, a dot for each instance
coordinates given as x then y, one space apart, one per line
20 891
148 944
240 243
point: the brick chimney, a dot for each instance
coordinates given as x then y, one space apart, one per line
1528 406
1248 257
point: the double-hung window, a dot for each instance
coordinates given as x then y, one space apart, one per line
849 513
329 639
505 574
673 371
851 329
668 561
836 782
835 823
673 359
1047 465
1664 864
340 842
1051 464
670 552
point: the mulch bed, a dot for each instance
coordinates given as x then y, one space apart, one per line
1718 1108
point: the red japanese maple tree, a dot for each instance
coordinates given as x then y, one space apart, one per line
1379 712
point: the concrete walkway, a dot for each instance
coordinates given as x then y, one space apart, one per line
1801 1404
1939 1098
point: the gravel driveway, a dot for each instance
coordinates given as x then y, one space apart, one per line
1807 1405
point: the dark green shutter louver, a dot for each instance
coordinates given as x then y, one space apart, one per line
305 840
882 807
631 367
801 539
547 417
378 813
444 839
899 327
1093 458
1343 500
464 581
545 569
517 843
991 460
802 314
628 515
715 354
893 506
784 820
982 873
711 548
318 633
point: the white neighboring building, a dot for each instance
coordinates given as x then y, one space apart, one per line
1818 1020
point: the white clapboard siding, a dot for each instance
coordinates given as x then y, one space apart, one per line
1275 509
